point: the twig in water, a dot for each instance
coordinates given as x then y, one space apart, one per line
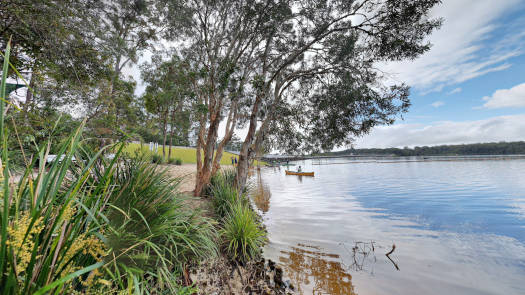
388 256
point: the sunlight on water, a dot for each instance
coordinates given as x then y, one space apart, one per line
458 226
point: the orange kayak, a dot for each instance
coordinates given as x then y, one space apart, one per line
299 173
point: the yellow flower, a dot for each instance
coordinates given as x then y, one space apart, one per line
104 282
17 231
69 212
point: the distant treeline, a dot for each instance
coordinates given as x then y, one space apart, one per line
494 148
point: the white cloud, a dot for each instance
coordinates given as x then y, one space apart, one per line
465 47
506 98
503 128
456 90
437 104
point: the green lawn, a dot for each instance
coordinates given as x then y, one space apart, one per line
187 155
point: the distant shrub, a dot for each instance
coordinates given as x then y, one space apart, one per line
242 233
157 159
174 161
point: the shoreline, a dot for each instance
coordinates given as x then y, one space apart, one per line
224 275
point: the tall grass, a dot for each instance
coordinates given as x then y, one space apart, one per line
241 231
148 214
223 192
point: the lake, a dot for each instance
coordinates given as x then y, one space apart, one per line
458 226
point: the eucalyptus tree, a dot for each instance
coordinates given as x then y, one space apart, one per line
218 40
301 74
317 84
167 94
126 29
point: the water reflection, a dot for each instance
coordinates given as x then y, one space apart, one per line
456 227
312 271
361 256
261 195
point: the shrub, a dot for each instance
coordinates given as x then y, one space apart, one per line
175 161
149 215
223 192
50 230
224 177
242 233
157 159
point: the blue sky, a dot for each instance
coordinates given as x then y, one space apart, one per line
468 87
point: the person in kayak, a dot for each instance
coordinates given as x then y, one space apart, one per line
299 169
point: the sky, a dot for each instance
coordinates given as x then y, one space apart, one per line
470 87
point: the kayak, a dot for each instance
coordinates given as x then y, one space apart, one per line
299 173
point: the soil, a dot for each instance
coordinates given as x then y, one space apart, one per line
188 173
223 276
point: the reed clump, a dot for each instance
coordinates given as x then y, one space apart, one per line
242 234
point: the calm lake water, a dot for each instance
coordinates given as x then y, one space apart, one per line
458 226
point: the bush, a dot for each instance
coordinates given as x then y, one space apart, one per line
242 233
157 159
175 161
52 228
223 192
224 177
150 212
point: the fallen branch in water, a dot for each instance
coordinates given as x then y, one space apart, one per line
388 256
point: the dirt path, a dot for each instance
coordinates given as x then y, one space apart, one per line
187 171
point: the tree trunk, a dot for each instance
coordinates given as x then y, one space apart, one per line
29 94
172 133
209 148
230 127
254 139
172 125
164 132
200 141
247 150
171 143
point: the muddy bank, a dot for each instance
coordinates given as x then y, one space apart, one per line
223 276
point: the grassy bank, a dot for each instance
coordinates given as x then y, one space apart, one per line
187 155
